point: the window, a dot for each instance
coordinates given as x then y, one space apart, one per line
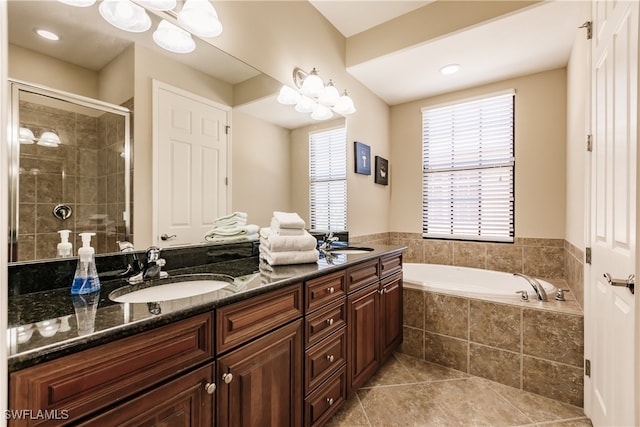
468 170
328 179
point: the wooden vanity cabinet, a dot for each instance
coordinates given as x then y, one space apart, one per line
109 376
259 360
374 317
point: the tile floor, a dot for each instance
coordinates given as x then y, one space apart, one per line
408 391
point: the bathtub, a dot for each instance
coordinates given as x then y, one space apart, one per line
469 282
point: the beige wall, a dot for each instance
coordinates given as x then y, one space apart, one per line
540 134
115 80
33 67
277 36
261 180
577 157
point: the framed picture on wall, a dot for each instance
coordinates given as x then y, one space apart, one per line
362 158
382 171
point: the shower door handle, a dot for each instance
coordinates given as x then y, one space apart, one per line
629 283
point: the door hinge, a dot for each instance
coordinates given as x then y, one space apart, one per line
226 180
587 367
587 255
589 143
226 129
588 26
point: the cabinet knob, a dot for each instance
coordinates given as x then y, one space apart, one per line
227 377
330 357
380 291
331 290
210 387
330 401
330 321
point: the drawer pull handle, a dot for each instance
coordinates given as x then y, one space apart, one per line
330 321
330 357
330 401
331 290
210 387
227 377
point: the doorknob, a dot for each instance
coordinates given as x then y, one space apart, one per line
629 283
165 236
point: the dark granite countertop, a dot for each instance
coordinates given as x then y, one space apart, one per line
44 325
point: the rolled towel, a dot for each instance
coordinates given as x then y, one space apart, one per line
276 243
289 257
232 231
282 220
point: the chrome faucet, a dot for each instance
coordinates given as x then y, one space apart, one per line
133 264
327 241
541 294
152 268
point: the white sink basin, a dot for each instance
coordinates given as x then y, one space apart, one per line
350 250
171 291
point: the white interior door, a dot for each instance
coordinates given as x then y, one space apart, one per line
610 310
190 161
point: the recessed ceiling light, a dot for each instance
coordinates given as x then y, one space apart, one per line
46 34
450 69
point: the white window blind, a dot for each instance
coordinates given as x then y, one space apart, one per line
468 170
328 179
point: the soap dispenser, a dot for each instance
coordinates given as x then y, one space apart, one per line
86 277
65 248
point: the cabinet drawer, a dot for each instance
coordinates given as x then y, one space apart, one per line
323 290
242 321
324 322
324 358
90 380
362 275
390 264
326 400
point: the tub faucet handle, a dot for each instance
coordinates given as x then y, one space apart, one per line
560 294
524 296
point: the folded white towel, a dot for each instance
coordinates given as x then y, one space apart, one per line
236 218
232 231
276 243
232 239
288 231
272 273
282 220
289 257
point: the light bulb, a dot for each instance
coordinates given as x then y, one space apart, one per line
345 105
49 139
200 18
330 97
26 136
125 15
321 113
306 105
173 38
158 4
288 96
78 3
312 85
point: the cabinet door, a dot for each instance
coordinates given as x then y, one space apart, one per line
362 327
390 315
260 383
183 402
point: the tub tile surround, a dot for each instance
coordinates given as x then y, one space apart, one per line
410 391
533 349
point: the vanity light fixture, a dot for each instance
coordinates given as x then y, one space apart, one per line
450 69
78 3
200 18
46 34
173 38
158 4
314 97
125 15
49 139
26 136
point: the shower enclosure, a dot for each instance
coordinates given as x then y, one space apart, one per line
70 170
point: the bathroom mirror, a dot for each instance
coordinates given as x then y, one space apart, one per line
97 50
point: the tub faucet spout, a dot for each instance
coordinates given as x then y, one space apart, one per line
541 294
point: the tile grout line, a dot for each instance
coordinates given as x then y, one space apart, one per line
363 410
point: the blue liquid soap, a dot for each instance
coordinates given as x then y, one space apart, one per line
85 279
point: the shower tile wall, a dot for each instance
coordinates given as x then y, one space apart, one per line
71 174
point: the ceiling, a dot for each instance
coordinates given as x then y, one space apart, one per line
535 39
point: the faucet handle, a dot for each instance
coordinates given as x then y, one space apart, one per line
560 294
524 296
153 254
125 246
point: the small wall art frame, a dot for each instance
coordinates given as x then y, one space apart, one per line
362 158
382 171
